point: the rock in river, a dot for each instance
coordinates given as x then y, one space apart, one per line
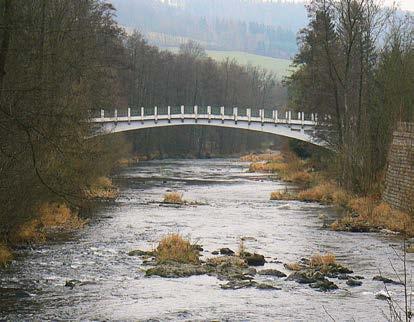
272 272
176 270
386 280
353 282
226 251
138 252
255 260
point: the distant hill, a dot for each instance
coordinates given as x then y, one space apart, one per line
262 28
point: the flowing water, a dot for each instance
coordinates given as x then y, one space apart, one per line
236 205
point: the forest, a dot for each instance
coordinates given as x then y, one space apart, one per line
63 60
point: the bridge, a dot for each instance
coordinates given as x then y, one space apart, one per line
298 126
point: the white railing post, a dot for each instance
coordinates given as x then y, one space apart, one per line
262 112
142 114
316 117
275 117
116 115
209 113
155 114
289 117
129 115
102 114
169 113
249 115
303 118
235 114
196 112
222 113
312 117
182 113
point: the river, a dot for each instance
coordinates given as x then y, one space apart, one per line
236 205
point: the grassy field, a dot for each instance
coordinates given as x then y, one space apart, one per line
279 66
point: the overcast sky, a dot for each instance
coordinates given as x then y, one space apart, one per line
405 4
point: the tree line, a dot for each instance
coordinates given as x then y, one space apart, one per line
356 64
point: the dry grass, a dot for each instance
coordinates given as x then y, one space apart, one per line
322 260
325 192
175 248
262 157
293 266
127 162
282 195
102 188
5 255
28 233
372 213
175 198
49 216
56 215
298 177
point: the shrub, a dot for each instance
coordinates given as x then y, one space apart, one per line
173 198
175 248
5 255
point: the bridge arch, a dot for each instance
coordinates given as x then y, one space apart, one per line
301 128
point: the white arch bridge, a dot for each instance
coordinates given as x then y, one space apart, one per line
298 126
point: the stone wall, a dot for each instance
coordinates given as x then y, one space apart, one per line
399 183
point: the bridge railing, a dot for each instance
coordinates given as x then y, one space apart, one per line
204 112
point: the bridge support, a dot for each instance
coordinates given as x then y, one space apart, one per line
182 113
169 114
235 114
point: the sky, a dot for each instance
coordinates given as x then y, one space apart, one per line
405 4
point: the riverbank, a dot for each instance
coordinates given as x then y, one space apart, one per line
52 217
362 213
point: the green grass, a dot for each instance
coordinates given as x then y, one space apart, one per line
280 66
